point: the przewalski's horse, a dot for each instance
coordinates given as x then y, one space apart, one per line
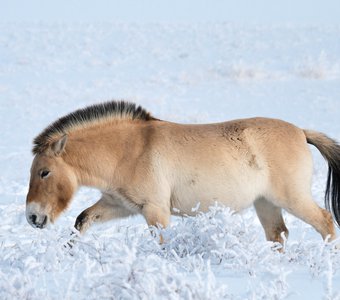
148 166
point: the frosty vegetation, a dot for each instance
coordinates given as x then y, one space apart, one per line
197 260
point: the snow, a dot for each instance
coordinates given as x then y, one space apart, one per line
184 72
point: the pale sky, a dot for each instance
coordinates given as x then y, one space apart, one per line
241 11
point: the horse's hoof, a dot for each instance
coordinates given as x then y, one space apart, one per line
80 221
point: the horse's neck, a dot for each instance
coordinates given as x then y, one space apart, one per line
95 156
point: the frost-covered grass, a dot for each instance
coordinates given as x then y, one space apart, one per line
212 256
180 72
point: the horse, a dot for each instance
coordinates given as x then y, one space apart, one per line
144 165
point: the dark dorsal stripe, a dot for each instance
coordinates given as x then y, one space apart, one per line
117 110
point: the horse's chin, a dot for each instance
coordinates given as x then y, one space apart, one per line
55 215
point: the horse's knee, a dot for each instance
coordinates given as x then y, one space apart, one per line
156 216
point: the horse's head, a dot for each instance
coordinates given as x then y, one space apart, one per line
52 185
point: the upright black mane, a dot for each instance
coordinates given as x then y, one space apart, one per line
113 110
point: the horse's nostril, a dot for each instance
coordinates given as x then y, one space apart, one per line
33 218
38 221
44 221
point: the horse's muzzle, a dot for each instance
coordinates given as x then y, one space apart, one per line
38 222
35 216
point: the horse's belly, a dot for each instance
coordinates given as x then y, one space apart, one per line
198 195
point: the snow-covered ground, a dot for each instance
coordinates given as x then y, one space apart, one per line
184 72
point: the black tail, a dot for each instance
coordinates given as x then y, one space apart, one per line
330 150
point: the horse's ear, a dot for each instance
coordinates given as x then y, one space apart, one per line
59 146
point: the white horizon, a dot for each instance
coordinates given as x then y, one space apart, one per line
259 11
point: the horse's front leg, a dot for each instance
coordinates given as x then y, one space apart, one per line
104 210
156 216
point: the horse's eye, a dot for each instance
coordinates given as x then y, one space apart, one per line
44 174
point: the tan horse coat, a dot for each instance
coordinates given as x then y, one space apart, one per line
157 168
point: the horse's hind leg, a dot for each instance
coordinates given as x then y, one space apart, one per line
307 210
271 219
